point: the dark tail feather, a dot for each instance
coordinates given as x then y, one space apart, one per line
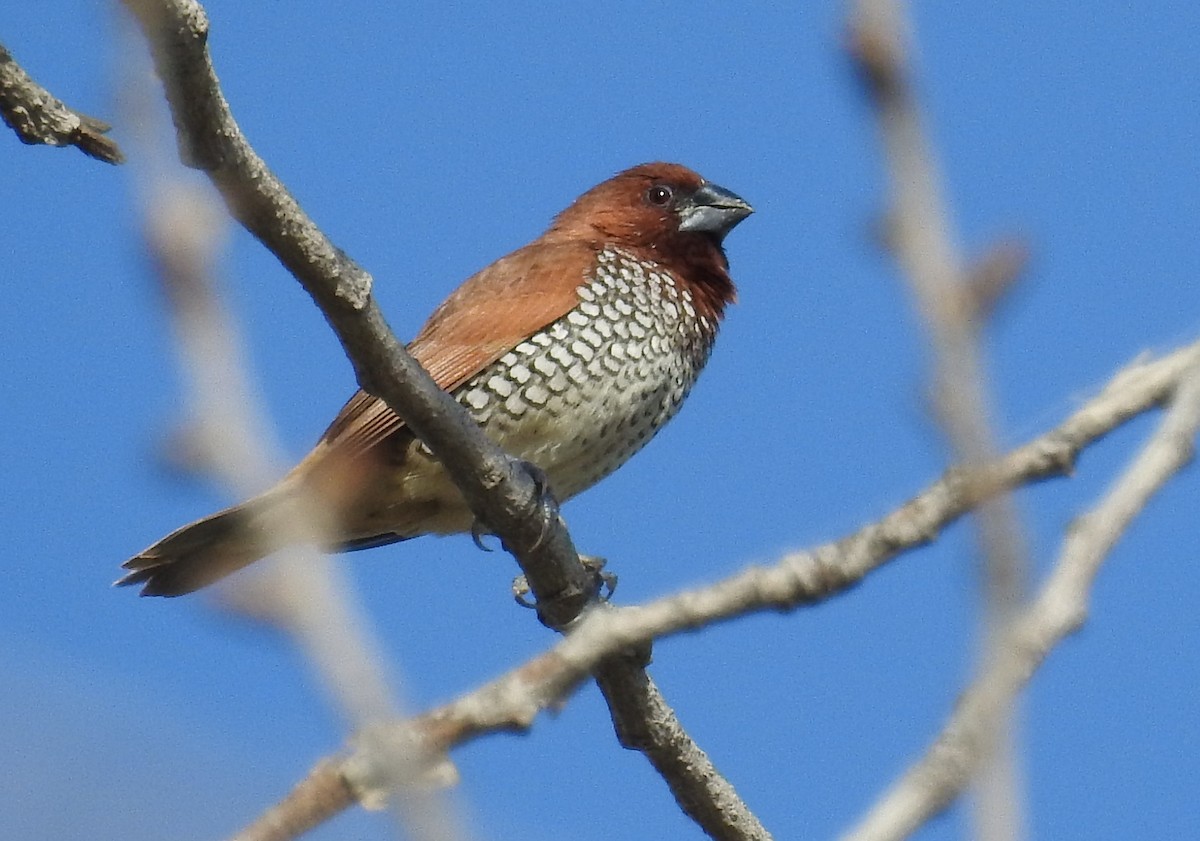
204 551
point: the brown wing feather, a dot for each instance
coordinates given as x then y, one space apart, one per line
483 319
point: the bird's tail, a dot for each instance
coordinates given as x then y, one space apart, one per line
209 549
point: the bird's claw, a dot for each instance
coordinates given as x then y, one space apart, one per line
521 591
607 581
545 500
478 532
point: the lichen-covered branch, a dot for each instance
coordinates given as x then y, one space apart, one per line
39 117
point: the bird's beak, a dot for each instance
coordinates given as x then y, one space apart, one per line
713 210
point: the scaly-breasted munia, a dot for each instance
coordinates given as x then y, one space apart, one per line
571 353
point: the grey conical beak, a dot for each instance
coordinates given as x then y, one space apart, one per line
713 210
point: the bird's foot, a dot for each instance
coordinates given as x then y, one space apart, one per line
606 582
546 502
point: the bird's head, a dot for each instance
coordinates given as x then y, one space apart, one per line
651 204
666 213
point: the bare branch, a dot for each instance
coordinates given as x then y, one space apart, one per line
38 117
645 722
933 782
512 701
321 796
300 593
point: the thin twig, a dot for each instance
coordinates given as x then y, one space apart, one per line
323 794
38 117
992 276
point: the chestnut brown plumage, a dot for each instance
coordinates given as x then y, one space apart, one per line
570 352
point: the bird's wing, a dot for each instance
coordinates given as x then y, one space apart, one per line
483 319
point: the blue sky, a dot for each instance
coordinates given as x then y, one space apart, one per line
429 141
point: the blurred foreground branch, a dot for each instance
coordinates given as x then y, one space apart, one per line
953 307
299 593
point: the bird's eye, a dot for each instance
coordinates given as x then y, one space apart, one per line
659 194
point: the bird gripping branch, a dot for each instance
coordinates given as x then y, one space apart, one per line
571 353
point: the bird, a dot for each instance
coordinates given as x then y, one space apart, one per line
571 353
